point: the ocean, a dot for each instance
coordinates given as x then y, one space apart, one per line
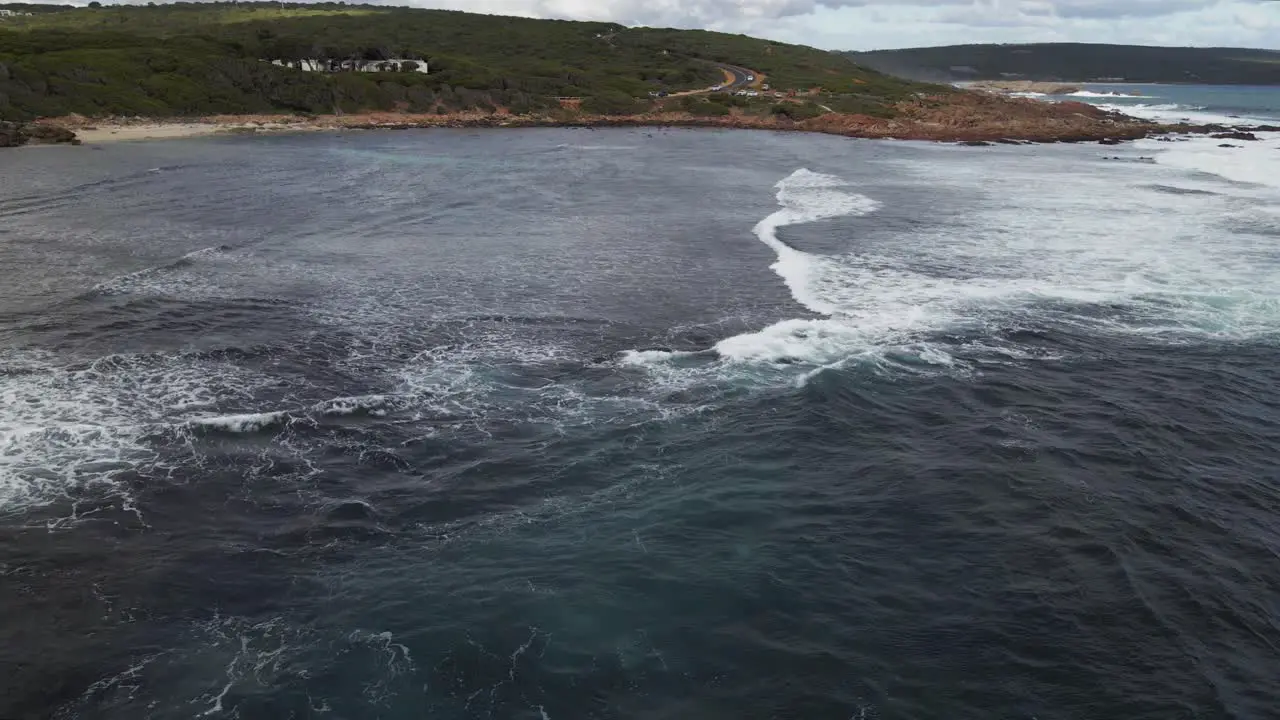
640 423
1196 104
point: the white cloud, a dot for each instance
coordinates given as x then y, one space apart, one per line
867 24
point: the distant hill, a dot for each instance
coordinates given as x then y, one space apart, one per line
1078 62
194 58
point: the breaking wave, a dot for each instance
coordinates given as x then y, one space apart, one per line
1093 94
1253 162
1044 257
119 283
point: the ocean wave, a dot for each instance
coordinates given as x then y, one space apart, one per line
147 279
1253 162
807 197
242 423
1094 94
1174 113
1169 271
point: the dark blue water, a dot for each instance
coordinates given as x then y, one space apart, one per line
636 424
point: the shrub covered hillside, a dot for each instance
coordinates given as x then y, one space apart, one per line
203 58
1079 62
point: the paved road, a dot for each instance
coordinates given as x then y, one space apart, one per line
736 77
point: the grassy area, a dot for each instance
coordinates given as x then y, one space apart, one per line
199 58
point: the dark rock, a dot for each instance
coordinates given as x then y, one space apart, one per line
50 134
1234 135
975 143
1109 141
1229 145
1007 141
12 135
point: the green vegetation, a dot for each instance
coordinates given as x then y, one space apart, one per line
1076 62
797 111
203 58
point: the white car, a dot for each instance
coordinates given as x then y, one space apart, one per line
753 93
717 88
751 78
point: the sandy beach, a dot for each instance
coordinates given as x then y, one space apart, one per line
112 133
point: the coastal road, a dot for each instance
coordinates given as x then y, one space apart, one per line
735 78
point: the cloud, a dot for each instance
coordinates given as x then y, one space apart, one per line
866 24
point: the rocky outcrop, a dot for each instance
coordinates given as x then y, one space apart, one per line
1234 135
12 135
43 134
1025 86
15 134
969 118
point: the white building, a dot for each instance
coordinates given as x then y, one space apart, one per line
391 65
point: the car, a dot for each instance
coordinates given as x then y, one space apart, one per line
764 86
778 95
751 78
741 93
717 88
663 93
753 93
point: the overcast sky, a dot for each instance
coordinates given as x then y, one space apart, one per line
873 24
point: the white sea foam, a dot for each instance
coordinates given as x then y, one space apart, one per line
65 427
1066 241
808 197
1249 162
1173 113
1094 94
372 404
243 423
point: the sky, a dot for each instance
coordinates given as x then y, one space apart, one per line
879 24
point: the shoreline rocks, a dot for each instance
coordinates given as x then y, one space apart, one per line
977 119
14 134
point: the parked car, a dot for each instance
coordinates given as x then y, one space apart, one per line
764 86
752 93
717 88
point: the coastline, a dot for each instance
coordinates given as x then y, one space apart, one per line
972 118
